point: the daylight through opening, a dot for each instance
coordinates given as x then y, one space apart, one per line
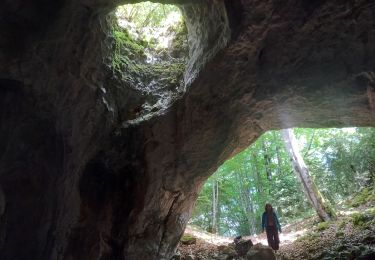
149 55
340 164
155 25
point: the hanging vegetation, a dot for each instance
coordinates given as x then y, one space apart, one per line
149 55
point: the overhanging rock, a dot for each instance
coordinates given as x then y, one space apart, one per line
75 185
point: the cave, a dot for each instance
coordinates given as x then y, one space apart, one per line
85 175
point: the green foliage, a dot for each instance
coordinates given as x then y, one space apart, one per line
262 173
126 51
364 219
146 13
154 23
137 60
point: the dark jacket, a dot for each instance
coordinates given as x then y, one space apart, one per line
275 220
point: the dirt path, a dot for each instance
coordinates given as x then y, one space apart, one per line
207 245
288 236
352 236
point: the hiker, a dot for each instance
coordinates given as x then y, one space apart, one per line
270 222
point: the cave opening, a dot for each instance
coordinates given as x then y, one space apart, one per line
150 54
340 163
159 28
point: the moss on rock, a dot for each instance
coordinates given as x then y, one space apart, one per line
366 195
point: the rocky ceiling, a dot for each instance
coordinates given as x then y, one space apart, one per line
78 182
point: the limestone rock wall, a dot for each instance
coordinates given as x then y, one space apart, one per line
74 184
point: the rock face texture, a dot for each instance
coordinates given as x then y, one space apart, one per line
78 183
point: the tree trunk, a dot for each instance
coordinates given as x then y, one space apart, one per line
267 161
322 208
277 148
246 201
215 201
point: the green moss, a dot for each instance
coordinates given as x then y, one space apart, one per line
130 66
129 55
126 50
331 212
322 226
364 196
358 219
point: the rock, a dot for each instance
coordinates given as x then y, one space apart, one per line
225 257
189 257
369 239
176 256
226 249
242 246
260 252
226 252
341 248
346 255
367 256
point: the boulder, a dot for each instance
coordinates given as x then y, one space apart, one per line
242 246
260 252
189 257
226 252
177 256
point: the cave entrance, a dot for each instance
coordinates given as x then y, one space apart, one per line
150 53
159 28
340 162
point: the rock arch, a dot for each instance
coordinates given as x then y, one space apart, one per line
106 192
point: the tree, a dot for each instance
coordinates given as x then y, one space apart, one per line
215 206
321 206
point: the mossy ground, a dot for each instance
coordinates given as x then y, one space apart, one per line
322 226
365 196
351 236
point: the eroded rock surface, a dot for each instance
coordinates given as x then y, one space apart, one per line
74 184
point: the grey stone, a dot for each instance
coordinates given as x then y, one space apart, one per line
243 246
190 257
260 252
176 256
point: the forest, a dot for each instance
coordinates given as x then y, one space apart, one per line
339 162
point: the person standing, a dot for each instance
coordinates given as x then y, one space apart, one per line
271 224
